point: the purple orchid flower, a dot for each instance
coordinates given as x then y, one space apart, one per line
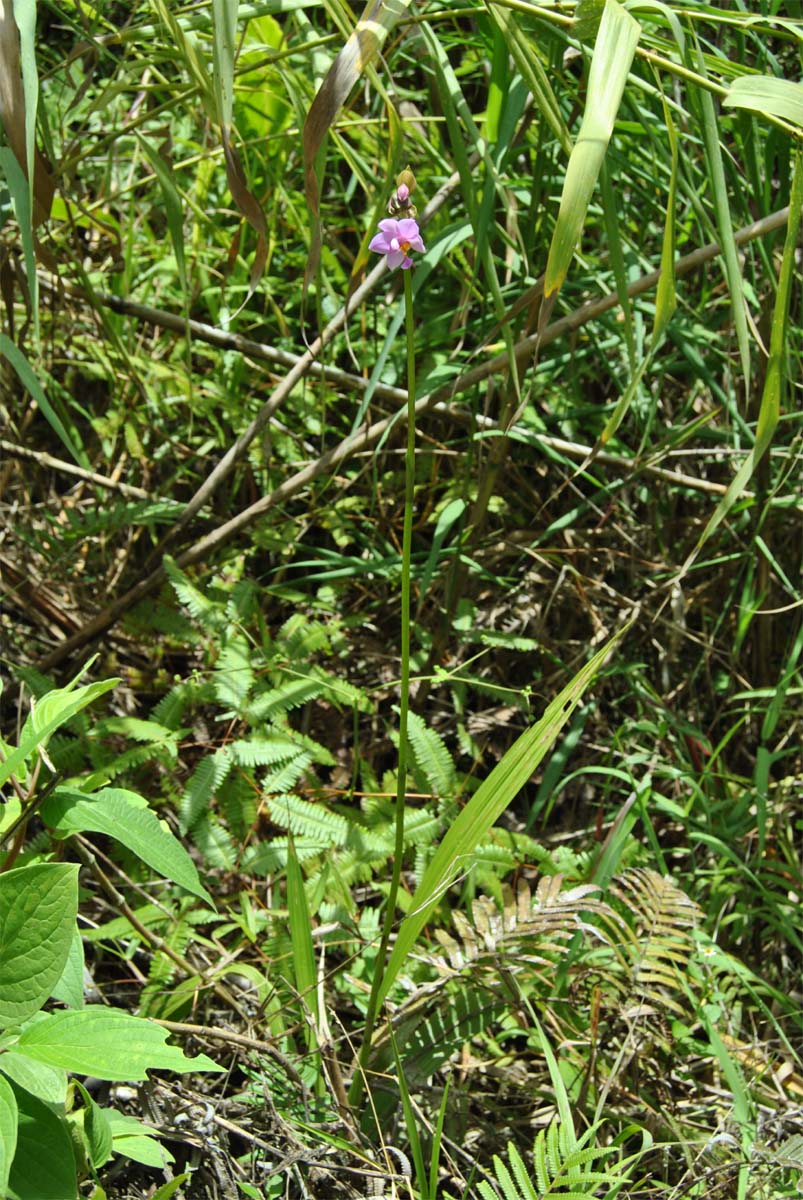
396 239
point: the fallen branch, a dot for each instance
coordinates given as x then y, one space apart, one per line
67 468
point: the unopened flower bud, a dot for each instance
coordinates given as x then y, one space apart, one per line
402 193
406 179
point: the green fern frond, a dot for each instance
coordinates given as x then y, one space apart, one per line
300 638
267 858
285 777
316 751
37 683
238 804
430 1036
214 843
134 728
432 758
281 699
206 779
311 821
422 827
199 606
157 617
505 1180
243 602
344 694
262 751
165 752
562 1168
77 524
171 708
521 1174
234 674
67 754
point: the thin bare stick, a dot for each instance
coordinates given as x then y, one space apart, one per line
368 436
224 339
68 468
215 336
304 365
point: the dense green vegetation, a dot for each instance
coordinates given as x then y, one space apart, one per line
535 934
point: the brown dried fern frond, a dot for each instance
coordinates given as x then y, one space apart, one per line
659 925
534 928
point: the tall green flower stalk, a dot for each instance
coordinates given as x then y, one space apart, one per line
395 239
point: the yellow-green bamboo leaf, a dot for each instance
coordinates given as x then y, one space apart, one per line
767 95
624 401
613 54
456 852
665 297
224 26
719 194
361 48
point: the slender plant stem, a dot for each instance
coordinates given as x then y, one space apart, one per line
404 702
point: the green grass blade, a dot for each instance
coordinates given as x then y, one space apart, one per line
457 110
301 937
665 296
174 211
777 367
25 17
411 1122
483 809
437 1139
29 380
719 191
532 70
20 193
613 54
361 48
610 213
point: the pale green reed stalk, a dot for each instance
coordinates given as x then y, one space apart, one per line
404 703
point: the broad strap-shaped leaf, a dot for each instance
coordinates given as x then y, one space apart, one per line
8 1131
124 816
47 715
362 47
38 907
139 1142
106 1042
31 185
224 28
764 94
456 852
173 207
613 54
97 1129
9 350
18 98
46 1083
44 1165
